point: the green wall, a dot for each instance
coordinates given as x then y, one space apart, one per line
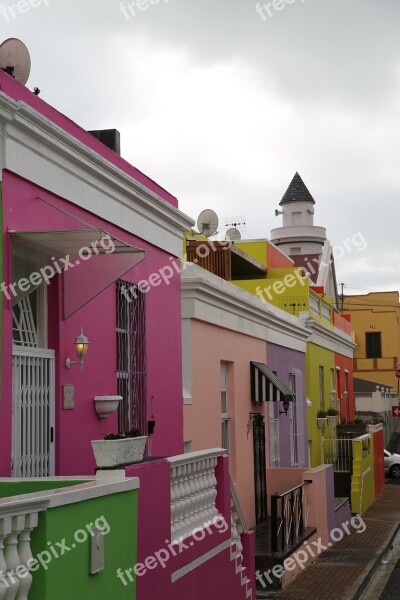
16 488
67 576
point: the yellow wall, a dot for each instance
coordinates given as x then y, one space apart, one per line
284 288
257 250
317 356
363 478
376 312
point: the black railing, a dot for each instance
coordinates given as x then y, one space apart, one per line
289 513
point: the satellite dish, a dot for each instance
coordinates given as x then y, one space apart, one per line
15 59
233 235
207 223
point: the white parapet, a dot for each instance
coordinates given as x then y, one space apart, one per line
193 491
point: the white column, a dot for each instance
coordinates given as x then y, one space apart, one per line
12 557
5 530
25 554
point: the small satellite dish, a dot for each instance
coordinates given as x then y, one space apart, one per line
233 235
15 59
207 223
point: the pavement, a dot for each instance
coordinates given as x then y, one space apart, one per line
346 569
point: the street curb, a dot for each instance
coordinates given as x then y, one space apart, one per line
374 564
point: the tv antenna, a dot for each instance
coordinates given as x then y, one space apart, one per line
234 233
207 222
15 59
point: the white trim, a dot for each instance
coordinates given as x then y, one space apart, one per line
209 298
37 149
200 561
187 361
101 486
332 339
180 459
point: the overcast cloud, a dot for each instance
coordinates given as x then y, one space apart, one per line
222 107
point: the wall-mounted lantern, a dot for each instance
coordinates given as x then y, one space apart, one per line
81 347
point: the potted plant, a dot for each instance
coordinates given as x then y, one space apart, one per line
118 449
321 418
332 414
375 424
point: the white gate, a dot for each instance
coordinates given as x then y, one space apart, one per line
33 412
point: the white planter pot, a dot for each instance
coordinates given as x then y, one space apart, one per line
372 428
105 405
111 453
321 422
332 419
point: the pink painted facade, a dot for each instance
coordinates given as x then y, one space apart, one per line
215 576
202 418
27 206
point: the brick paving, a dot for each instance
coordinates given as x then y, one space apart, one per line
343 570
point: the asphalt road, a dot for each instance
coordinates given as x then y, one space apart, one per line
392 588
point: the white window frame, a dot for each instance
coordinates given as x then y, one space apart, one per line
225 420
273 434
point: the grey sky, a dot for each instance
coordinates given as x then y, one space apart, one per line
222 107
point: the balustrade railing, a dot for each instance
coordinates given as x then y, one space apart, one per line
193 491
17 521
289 516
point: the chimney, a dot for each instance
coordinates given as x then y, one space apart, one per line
108 137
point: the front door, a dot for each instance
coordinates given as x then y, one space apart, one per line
33 391
260 472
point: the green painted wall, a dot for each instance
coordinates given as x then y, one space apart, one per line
17 488
317 356
67 577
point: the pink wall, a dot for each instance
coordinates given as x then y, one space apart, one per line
276 259
15 90
74 429
216 578
202 420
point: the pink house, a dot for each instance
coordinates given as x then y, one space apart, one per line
68 199
91 263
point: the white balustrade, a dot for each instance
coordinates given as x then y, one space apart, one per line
17 521
193 491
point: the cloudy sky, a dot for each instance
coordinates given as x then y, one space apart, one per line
221 104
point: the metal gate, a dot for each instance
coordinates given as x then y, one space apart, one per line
33 412
260 473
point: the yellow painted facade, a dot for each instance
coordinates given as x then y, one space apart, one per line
377 312
320 372
363 478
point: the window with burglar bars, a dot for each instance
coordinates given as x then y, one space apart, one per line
131 357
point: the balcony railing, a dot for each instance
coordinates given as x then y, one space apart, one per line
289 516
193 491
339 453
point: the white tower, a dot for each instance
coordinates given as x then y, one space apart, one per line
303 241
299 235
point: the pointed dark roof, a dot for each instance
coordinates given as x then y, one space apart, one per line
297 192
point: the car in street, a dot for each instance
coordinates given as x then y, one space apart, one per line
392 464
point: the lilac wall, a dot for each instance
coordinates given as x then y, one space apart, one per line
282 360
22 211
